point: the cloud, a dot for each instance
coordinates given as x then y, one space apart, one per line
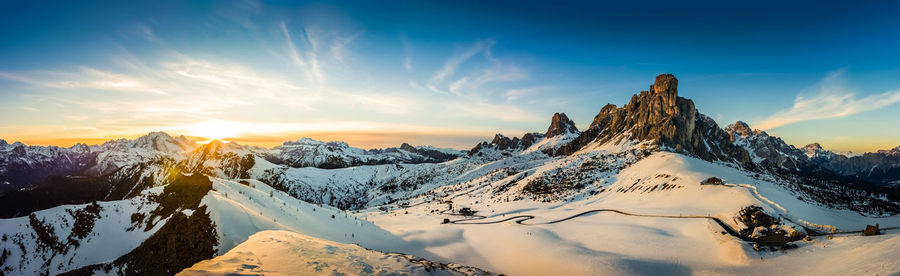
832 99
496 71
518 93
84 78
309 63
456 60
338 46
407 52
407 63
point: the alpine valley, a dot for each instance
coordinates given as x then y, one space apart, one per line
650 187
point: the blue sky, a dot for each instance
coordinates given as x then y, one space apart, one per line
378 73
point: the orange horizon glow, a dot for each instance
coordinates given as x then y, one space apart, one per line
359 139
370 139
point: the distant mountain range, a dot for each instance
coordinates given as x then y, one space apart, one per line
170 202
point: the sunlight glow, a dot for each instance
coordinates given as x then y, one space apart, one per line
214 130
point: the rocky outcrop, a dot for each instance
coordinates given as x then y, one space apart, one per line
764 149
504 144
662 118
559 125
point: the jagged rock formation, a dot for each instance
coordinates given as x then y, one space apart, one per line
664 119
560 124
764 149
505 144
500 142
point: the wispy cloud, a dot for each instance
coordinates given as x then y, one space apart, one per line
474 80
84 78
338 47
407 53
309 63
831 99
519 93
458 59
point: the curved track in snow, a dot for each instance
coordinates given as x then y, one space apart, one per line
521 219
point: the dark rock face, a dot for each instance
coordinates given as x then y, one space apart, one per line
560 124
881 167
506 144
668 121
25 166
530 138
430 155
770 150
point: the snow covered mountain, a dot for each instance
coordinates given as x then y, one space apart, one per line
307 152
651 187
880 167
765 149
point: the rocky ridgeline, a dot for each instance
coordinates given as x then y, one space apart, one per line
664 119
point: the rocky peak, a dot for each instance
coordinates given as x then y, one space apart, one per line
408 147
3 143
740 128
560 124
80 148
815 151
813 147
503 142
664 119
666 87
19 150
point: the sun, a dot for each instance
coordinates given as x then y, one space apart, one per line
214 130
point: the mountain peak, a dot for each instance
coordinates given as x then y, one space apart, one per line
665 85
742 129
662 118
813 146
560 124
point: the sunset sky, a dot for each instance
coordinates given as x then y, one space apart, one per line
379 73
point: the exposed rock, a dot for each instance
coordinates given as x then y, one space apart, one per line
531 138
815 150
662 118
881 167
764 149
560 124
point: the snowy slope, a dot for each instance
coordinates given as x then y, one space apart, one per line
612 243
290 253
240 210
67 237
